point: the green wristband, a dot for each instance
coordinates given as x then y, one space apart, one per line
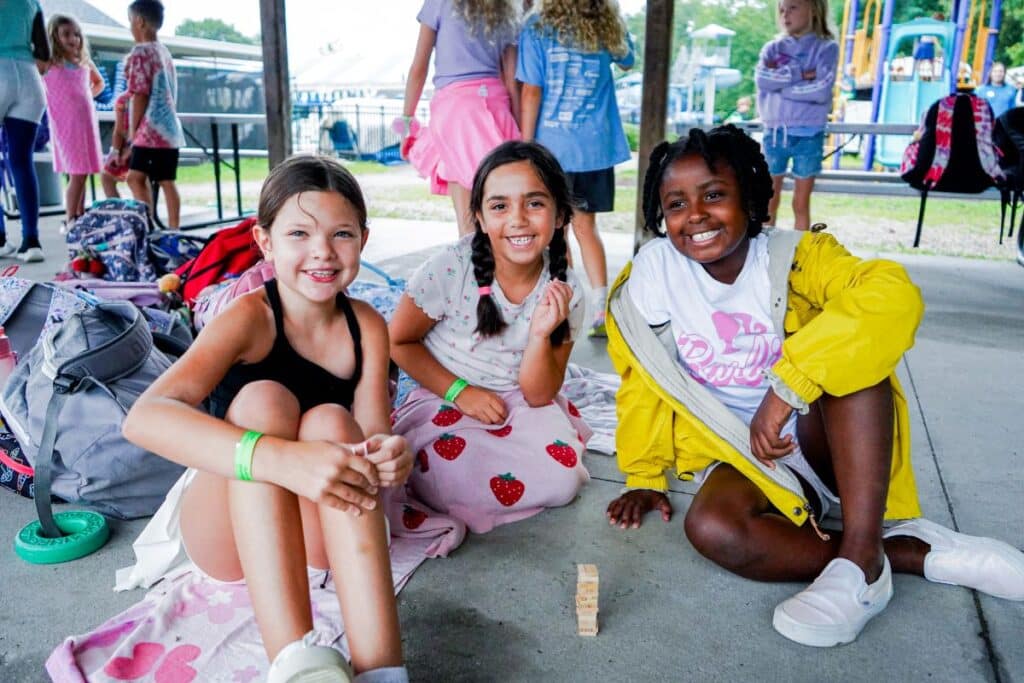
243 455
455 389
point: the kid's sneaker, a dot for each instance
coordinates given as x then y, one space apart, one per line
834 609
303 662
984 564
8 249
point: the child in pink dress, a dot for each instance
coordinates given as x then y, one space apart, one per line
475 106
71 82
486 328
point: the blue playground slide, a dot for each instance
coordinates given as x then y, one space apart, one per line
905 100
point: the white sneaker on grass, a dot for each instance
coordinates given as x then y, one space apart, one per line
7 249
977 562
303 662
834 609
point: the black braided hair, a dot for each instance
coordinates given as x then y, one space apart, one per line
725 143
489 320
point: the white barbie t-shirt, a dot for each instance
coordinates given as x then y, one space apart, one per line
446 290
724 334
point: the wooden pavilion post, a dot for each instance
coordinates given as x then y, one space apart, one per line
654 104
276 85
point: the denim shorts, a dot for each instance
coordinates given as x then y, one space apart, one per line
805 151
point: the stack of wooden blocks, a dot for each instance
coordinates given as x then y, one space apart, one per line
586 599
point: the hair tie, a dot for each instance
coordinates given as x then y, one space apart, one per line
485 290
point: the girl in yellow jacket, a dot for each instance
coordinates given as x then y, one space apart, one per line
761 363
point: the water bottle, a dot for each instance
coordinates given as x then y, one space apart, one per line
7 358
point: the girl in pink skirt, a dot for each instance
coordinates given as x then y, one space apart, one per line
475 106
486 328
71 82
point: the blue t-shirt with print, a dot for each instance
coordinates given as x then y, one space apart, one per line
579 119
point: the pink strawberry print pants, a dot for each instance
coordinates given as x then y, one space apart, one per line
487 475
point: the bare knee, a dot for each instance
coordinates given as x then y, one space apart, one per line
265 406
329 422
719 534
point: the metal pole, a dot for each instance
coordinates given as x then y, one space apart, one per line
216 168
993 37
876 92
238 167
963 10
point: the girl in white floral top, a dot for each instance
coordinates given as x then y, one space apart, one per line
486 328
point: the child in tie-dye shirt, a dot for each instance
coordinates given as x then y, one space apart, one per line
153 127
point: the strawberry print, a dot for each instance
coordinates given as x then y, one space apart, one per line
573 410
504 431
449 446
412 518
507 489
446 416
423 460
563 453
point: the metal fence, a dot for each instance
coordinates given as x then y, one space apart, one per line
350 130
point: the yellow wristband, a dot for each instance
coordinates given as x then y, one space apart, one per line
243 455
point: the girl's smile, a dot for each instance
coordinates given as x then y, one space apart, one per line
704 215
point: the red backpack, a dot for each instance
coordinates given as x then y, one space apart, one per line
228 254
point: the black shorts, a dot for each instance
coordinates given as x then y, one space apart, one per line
157 163
593 191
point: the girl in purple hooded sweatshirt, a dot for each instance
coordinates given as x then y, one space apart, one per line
795 75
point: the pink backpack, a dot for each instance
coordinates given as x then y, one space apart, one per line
216 298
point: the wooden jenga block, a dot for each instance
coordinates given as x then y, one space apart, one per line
585 602
586 590
586 573
587 625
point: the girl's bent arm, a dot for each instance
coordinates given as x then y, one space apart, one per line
819 88
408 327
542 371
95 80
418 70
870 311
166 419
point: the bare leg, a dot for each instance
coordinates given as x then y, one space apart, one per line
109 186
460 199
802 188
74 197
584 226
773 203
138 183
358 554
732 523
234 529
173 200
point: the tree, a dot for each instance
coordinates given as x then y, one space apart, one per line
213 29
1011 35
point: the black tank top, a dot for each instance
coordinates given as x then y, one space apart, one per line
311 384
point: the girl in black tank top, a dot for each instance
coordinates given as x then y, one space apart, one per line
276 475
311 384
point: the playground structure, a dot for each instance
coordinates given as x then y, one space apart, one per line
877 54
704 68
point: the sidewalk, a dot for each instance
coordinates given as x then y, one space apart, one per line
501 607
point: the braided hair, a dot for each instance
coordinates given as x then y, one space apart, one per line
489 320
722 144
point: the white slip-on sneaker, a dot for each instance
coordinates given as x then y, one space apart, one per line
834 609
389 674
7 249
977 562
31 255
303 662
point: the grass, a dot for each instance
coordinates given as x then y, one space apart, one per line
255 170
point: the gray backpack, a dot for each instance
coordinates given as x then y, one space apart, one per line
65 403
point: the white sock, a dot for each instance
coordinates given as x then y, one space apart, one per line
387 674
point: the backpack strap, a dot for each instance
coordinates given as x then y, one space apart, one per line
943 140
988 153
119 356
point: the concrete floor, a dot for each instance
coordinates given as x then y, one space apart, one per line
501 607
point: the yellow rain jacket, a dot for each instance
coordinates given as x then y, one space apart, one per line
847 323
